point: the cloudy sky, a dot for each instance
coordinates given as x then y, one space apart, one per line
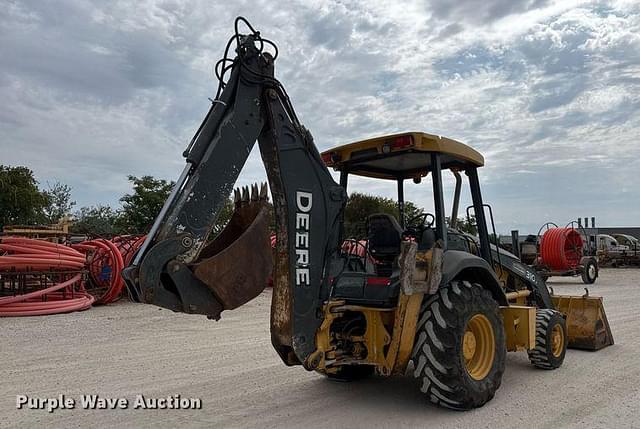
548 91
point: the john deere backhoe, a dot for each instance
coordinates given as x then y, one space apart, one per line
420 291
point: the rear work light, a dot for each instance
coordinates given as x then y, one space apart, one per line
378 281
330 158
402 142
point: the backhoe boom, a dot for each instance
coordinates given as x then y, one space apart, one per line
178 270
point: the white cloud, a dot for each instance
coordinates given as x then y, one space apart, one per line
548 91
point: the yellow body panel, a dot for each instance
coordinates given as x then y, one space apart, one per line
519 327
388 352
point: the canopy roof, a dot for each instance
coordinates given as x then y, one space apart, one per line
401 156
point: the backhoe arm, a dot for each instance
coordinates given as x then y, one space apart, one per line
177 268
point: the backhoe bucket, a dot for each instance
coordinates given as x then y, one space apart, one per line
237 264
587 323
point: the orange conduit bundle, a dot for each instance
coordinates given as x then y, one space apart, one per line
128 246
561 248
105 263
38 278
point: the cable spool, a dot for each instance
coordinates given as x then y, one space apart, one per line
561 248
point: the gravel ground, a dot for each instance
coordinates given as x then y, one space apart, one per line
125 349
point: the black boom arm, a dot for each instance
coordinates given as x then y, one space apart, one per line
172 266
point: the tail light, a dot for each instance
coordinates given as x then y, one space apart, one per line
378 281
402 142
330 158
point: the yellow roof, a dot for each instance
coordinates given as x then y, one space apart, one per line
404 155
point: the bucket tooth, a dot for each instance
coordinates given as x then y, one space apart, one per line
244 242
263 191
244 195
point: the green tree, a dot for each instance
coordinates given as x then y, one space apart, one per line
96 220
140 208
225 215
361 206
411 210
21 202
466 224
59 202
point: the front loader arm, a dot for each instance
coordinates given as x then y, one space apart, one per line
178 269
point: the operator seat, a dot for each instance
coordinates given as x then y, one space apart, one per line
382 287
385 236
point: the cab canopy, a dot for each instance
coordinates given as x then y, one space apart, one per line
401 156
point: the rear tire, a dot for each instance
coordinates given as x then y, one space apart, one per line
459 369
551 340
590 272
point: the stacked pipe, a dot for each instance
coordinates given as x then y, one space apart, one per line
561 248
105 260
40 278
128 246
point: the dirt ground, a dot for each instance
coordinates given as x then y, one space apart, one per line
127 349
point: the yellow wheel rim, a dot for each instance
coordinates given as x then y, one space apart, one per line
478 347
557 340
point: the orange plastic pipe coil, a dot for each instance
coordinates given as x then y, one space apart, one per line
105 263
23 257
561 248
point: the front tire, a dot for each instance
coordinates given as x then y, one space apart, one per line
459 352
551 340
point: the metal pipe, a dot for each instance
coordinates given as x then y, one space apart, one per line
438 198
344 178
511 296
401 201
515 243
456 200
478 208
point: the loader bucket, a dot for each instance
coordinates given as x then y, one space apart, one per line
236 266
587 324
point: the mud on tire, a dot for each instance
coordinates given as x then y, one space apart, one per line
438 351
551 327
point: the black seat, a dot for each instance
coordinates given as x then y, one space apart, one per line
427 240
385 236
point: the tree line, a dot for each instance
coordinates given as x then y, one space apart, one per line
23 202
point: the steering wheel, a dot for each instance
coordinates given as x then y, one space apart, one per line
417 224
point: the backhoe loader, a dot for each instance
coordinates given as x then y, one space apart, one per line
422 292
